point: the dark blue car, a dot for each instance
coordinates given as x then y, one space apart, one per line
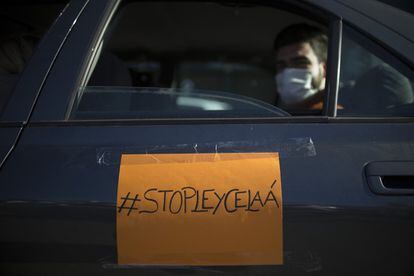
86 83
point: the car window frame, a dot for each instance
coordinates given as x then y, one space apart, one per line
41 113
66 75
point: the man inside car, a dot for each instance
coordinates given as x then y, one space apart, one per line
301 55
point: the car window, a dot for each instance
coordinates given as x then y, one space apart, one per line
184 59
23 25
373 82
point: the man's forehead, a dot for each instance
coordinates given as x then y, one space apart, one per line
294 50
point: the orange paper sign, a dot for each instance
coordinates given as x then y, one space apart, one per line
200 209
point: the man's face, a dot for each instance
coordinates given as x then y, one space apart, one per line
302 56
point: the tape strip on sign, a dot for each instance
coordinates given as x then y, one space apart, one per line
199 209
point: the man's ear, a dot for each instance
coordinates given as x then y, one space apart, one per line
323 68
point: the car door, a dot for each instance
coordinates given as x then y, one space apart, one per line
59 185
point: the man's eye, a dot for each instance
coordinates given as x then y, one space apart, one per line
302 63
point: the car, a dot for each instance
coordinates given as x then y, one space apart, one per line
148 137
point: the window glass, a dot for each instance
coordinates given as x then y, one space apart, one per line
184 59
373 82
23 25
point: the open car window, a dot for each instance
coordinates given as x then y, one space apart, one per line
186 60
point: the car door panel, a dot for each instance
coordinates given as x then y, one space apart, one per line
331 217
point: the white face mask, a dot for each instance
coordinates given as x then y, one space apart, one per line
294 85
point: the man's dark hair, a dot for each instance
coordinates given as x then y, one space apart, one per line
302 32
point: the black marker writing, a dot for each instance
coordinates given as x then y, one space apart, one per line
126 200
191 200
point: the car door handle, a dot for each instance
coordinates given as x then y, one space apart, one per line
391 177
